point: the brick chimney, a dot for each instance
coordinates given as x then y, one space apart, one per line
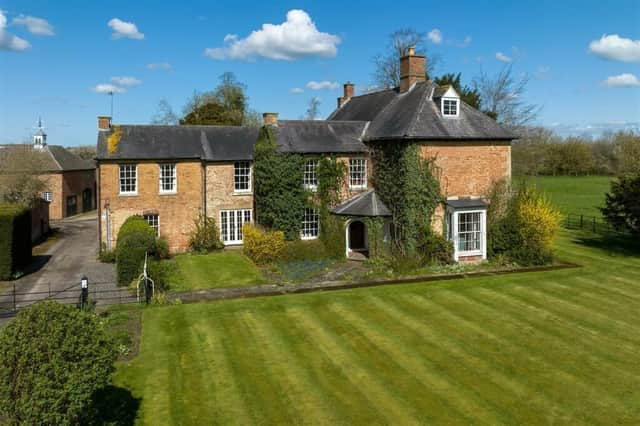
104 122
412 69
270 118
348 92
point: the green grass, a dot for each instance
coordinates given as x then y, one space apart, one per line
229 268
571 194
546 347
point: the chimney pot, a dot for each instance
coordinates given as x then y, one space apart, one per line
412 69
104 122
349 90
270 118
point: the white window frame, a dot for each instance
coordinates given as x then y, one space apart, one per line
236 167
456 102
352 165
150 222
310 174
135 177
174 181
310 222
453 233
230 233
47 196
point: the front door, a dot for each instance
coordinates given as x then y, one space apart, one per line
86 200
72 205
356 236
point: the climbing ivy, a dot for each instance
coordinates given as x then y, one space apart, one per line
405 182
279 197
331 175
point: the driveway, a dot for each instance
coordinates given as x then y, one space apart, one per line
61 267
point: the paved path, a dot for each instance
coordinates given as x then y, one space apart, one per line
64 264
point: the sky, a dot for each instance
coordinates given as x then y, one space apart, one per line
58 59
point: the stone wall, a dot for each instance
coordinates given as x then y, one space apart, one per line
176 212
220 191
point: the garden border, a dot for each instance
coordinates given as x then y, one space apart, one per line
283 289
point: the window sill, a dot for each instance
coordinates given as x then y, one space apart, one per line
469 253
312 188
128 194
232 243
308 238
168 193
239 193
357 188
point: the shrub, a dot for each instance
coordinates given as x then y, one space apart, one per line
53 358
205 236
521 226
106 256
262 246
301 250
622 204
161 272
435 248
15 239
135 238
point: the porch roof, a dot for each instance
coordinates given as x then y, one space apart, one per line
467 203
366 204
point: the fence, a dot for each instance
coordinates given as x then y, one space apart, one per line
13 300
591 223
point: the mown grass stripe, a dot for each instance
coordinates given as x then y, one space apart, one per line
453 379
558 376
306 401
607 290
390 406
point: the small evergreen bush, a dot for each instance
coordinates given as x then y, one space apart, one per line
53 359
262 246
15 239
135 238
205 236
435 248
622 204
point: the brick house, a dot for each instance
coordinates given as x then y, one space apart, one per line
70 181
170 173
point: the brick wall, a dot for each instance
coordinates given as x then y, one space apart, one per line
177 212
69 184
468 169
53 183
221 194
347 192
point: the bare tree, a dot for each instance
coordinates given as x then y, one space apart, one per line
164 114
313 109
502 98
387 65
21 178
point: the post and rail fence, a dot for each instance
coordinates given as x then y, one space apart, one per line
595 224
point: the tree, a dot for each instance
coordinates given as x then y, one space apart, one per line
225 106
313 109
502 98
627 151
21 181
622 204
164 114
386 73
86 152
469 95
53 359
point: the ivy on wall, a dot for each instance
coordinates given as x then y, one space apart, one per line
279 195
406 183
331 175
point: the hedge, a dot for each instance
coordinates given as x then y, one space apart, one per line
134 239
15 239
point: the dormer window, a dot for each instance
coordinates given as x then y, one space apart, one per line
450 107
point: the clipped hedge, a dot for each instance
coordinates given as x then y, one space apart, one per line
134 239
15 239
262 246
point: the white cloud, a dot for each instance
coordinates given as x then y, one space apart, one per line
464 43
503 58
159 66
293 39
322 85
435 36
616 48
126 81
7 40
37 26
122 29
542 73
296 90
108 88
622 80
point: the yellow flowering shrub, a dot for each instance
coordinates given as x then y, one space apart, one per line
540 221
262 246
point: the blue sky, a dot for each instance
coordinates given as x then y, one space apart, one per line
54 54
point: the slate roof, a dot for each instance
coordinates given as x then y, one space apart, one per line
415 115
467 203
366 204
308 136
53 158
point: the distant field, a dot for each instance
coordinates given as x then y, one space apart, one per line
574 194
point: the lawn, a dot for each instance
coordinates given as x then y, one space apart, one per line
545 347
229 268
571 194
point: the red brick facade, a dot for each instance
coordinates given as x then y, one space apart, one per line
70 188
